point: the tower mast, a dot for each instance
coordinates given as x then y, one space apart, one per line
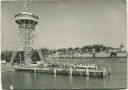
26 22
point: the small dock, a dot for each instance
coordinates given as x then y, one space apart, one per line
67 71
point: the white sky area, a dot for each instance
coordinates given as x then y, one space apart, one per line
69 24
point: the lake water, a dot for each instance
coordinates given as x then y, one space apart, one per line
26 80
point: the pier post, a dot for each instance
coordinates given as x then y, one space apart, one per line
96 67
104 71
54 70
35 70
109 71
87 72
70 71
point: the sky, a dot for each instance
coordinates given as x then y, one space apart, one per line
68 23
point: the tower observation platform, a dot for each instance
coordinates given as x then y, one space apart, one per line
26 19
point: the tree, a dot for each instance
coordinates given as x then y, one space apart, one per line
44 51
35 56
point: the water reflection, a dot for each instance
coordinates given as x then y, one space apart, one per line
104 82
70 80
35 74
87 78
54 77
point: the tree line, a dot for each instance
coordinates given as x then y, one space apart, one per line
7 55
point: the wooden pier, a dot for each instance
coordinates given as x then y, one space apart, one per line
62 71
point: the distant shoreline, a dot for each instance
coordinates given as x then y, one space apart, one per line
82 58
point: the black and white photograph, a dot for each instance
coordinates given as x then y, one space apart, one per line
63 44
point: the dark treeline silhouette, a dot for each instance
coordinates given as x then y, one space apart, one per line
7 55
97 48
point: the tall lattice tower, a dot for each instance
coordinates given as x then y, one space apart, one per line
26 22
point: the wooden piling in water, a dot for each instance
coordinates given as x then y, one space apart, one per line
70 71
104 71
35 70
54 70
109 71
87 72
